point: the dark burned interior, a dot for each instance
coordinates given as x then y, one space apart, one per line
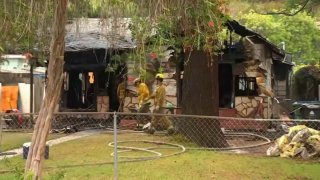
225 85
86 77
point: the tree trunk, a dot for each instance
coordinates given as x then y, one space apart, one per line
55 78
200 96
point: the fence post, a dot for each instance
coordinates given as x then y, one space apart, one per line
115 146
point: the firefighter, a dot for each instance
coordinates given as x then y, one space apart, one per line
160 122
121 93
160 95
143 92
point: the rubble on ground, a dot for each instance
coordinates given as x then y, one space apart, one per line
300 141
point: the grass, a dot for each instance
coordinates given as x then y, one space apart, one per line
12 140
190 165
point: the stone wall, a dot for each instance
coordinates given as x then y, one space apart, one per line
248 107
257 64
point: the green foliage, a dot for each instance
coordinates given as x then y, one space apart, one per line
25 26
1 52
267 6
28 176
176 24
166 24
308 71
117 61
244 6
293 4
192 24
306 80
299 32
17 170
84 9
297 67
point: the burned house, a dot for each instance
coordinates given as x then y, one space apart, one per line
91 74
254 75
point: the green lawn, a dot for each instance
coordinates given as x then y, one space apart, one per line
190 165
12 140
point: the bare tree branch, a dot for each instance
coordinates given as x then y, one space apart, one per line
303 6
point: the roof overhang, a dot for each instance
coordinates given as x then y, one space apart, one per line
91 33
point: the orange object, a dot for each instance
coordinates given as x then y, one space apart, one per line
153 55
9 98
210 23
91 77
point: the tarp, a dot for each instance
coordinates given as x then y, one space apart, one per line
9 97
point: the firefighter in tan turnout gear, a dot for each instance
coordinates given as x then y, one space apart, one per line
143 92
160 95
121 93
160 123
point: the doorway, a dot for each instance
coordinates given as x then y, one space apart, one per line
225 85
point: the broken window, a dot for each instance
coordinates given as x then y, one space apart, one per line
246 86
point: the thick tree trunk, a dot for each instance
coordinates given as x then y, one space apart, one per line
200 96
55 78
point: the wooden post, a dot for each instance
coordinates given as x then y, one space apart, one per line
35 159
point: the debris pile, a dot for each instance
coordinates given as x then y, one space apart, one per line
301 141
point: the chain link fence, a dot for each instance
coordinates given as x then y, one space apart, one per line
212 133
194 132
141 137
17 121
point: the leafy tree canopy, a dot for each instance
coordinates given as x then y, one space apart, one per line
291 7
299 32
25 26
310 4
193 23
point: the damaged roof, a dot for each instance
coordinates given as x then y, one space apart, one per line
91 33
243 31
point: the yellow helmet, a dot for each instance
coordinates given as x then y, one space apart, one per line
159 76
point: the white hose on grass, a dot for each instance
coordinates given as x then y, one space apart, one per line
158 155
